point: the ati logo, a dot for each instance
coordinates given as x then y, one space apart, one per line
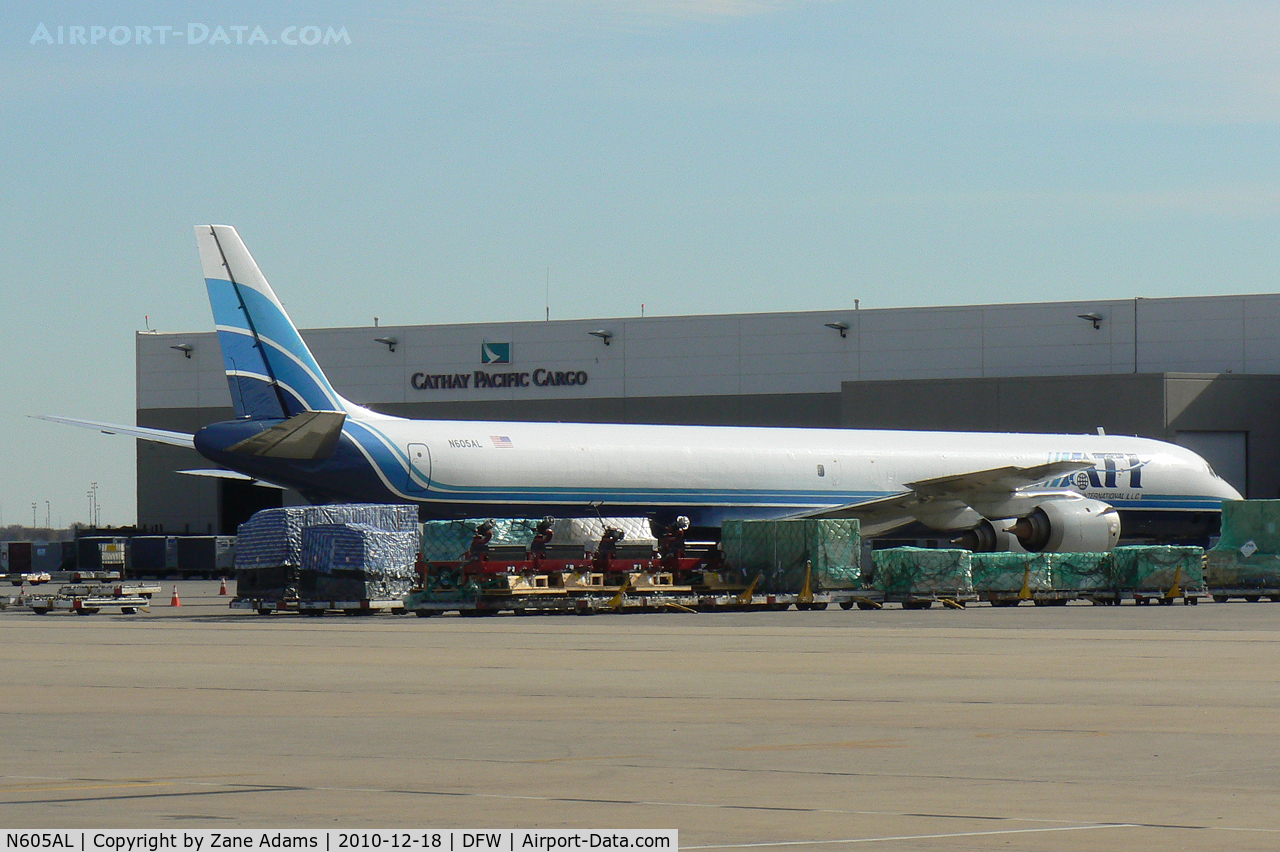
1110 470
495 353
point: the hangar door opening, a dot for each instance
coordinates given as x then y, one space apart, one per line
238 500
1228 452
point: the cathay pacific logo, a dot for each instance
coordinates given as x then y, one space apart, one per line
495 353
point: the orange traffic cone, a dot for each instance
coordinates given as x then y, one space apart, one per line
175 601
222 590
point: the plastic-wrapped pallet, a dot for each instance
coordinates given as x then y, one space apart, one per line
1245 521
268 549
1005 572
273 537
778 551
1247 556
588 531
354 562
448 541
1079 572
1157 568
904 571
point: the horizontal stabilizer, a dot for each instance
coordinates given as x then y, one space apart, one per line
309 435
218 473
159 436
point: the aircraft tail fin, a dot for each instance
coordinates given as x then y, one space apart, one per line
270 370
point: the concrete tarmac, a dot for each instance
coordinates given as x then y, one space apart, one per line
1093 728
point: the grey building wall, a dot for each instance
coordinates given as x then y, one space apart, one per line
1153 405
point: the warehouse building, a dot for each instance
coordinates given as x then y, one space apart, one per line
1202 372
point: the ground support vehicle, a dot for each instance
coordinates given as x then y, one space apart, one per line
87 599
31 578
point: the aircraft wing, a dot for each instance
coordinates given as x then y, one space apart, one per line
159 436
944 500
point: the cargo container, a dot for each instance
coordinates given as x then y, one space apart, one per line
205 556
153 556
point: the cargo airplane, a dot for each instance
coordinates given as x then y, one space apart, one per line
988 491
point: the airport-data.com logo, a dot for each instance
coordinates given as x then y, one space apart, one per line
119 35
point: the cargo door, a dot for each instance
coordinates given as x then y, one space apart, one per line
419 468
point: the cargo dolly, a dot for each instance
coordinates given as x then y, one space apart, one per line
88 599
1253 594
316 608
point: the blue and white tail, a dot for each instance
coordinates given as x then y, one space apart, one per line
271 371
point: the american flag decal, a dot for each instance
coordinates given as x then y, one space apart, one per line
500 441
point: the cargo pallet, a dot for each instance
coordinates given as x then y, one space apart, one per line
309 607
1222 595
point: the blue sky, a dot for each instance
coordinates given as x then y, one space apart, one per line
699 156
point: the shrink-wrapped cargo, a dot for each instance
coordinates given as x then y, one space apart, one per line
922 571
1078 572
1157 568
589 530
356 562
778 551
448 541
268 549
1007 572
273 537
1250 526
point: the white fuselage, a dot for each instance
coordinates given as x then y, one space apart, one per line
793 470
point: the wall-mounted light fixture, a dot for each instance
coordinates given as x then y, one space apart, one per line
185 348
842 327
602 334
389 342
1092 317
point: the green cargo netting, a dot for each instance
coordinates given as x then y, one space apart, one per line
923 571
448 541
1230 569
778 551
1078 572
1157 568
1005 572
1250 520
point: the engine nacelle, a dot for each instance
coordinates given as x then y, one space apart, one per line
988 537
1069 525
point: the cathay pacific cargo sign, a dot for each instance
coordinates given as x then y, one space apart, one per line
480 379
498 353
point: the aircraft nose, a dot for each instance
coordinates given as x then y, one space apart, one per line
1227 491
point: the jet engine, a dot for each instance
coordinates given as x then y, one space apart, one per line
988 537
1069 526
